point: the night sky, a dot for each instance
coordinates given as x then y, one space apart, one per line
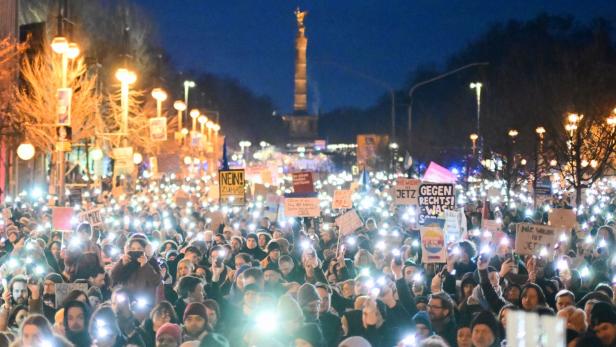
253 40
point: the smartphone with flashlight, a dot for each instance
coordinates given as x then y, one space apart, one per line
219 260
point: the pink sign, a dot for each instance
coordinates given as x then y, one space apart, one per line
438 174
61 218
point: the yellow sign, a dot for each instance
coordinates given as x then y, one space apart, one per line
63 146
231 186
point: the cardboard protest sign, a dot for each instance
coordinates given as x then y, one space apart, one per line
531 329
531 238
93 217
433 248
64 289
231 186
434 199
272 203
349 222
495 228
438 174
218 218
123 161
303 182
342 199
563 218
452 227
61 218
307 205
259 190
406 191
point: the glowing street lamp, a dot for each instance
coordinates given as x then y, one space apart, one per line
512 133
477 86
126 78
25 151
187 86
180 106
160 95
194 114
202 122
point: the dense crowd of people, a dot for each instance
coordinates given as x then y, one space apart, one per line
164 269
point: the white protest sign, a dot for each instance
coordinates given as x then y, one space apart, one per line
406 191
562 217
452 226
93 217
531 238
530 329
349 222
434 199
342 199
302 207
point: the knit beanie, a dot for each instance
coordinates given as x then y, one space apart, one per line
312 333
273 246
289 309
306 294
488 319
54 277
355 341
602 312
195 309
422 317
170 329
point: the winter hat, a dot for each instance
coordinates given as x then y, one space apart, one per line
289 308
195 309
355 341
488 319
252 236
312 333
306 294
468 278
54 277
170 329
422 317
602 312
273 246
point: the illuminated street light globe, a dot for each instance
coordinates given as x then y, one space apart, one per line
25 151
194 113
184 131
96 154
189 84
187 160
216 127
72 51
202 119
179 105
59 44
159 94
137 158
474 137
126 76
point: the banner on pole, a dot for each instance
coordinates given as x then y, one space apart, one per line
63 110
158 129
231 186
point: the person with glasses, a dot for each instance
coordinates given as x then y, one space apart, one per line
441 312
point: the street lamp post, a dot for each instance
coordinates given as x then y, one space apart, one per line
471 161
194 114
540 131
477 86
67 51
180 106
513 133
160 95
126 78
187 86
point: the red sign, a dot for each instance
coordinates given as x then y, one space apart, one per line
61 218
302 182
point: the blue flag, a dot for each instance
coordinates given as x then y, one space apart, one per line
225 161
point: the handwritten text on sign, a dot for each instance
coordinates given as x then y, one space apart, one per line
348 222
531 238
434 199
407 191
232 186
302 207
342 199
302 182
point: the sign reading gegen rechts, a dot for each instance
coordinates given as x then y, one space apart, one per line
434 199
